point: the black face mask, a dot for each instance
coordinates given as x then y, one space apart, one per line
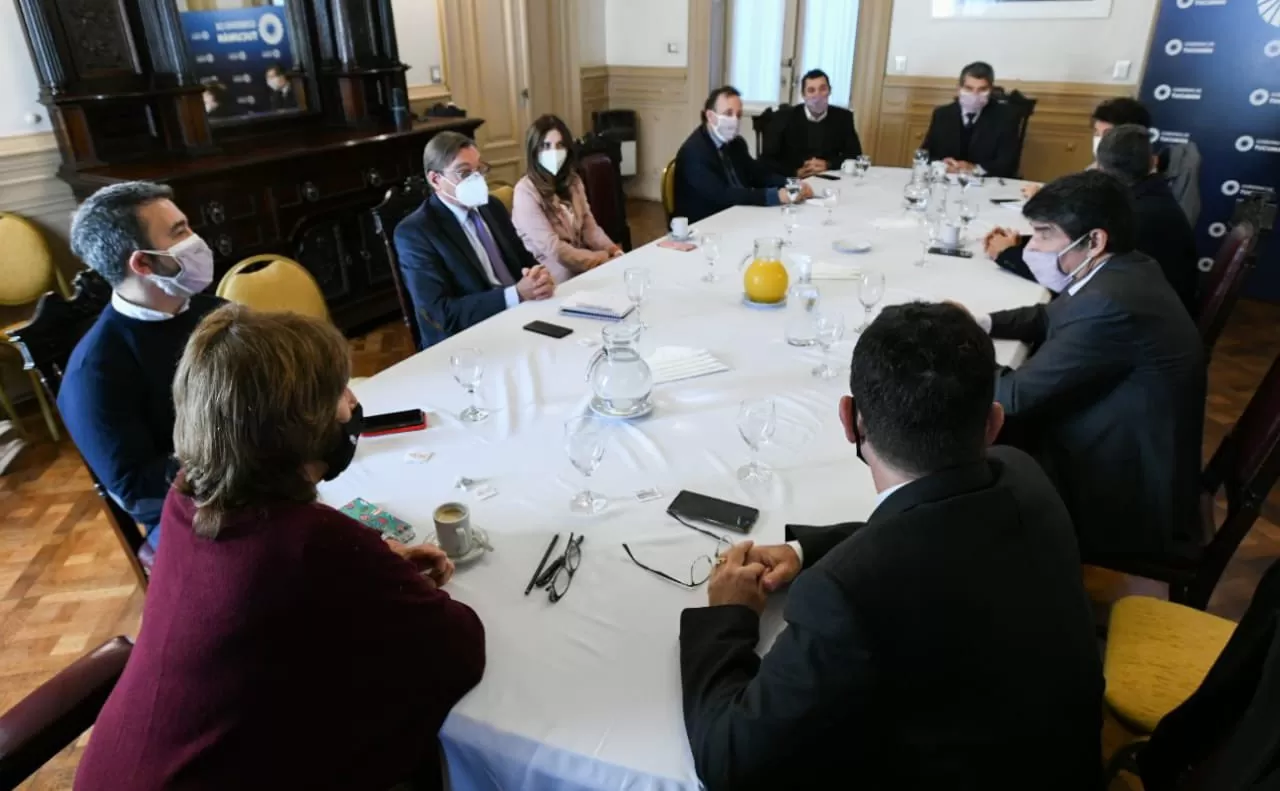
339 457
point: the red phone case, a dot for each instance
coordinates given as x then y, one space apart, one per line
401 430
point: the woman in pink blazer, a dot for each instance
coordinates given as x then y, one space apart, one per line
550 209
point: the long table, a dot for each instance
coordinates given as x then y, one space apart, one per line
585 693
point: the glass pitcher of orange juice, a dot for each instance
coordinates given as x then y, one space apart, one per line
764 279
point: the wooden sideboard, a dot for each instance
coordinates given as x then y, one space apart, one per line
306 196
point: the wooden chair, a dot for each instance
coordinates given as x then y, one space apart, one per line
761 124
1235 260
53 716
46 343
274 283
505 193
600 166
399 203
1244 468
1023 108
29 271
669 189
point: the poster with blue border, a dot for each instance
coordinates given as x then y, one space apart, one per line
233 48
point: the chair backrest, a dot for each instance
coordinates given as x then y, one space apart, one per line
1023 108
53 716
46 343
400 201
505 194
29 270
669 189
1231 267
1244 467
599 165
274 283
760 123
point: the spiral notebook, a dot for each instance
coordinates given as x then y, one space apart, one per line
597 305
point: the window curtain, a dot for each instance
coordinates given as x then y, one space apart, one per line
755 49
830 29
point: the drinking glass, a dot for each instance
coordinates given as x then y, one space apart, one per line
829 329
757 420
468 369
711 249
921 156
790 220
584 441
916 197
794 187
969 208
930 231
832 196
870 292
638 282
862 164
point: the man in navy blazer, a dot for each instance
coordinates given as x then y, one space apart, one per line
714 169
460 257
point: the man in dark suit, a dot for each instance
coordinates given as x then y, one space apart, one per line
281 89
812 137
1161 229
460 257
714 169
1111 402
971 131
947 643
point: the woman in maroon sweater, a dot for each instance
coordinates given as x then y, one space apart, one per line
283 645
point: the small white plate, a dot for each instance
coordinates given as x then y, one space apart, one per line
688 237
479 545
851 246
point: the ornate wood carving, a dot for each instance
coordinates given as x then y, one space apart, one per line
99 36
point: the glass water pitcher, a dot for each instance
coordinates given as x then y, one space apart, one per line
621 382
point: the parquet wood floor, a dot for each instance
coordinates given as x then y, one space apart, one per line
65 586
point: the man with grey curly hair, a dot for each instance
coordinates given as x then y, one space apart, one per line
115 395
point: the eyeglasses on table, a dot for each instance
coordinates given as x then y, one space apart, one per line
699 569
559 574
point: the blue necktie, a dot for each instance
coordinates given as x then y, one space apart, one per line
500 270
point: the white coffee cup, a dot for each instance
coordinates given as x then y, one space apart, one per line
949 236
849 167
453 529
680 227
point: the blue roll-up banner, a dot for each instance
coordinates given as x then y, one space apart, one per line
233 48
1213 77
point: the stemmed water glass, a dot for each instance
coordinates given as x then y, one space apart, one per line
930 232
829 330
870 292
969 207
790 220
638 282
832 197
757 420
584 441
794 187
862 165
916 197
468 369
711 249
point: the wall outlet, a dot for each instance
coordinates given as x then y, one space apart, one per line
900 64
1121 70
437 76
673 48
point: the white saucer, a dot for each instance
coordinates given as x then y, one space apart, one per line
851 246
688 237
478 548
646 411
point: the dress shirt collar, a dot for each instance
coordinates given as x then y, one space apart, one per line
460 212
815 118
1079 284
882 496
128 309
964 118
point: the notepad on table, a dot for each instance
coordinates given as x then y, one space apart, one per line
673 363
597 305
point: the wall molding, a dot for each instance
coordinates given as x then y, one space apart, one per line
1058 138
429 93
29 184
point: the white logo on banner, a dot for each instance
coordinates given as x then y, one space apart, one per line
1272 49
1270 10
1186 3
1206 264
1154 134
1162 92
1260 97
204 58
271 29
1218 230
1244 144
1176 46
1231 188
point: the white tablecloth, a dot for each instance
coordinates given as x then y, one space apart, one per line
585 693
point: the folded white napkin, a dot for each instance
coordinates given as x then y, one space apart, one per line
673 363
825 270
597 305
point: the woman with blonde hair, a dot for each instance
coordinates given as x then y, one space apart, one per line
550 209
283 644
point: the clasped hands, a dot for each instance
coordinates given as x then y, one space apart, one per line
429 559
746 574
535 283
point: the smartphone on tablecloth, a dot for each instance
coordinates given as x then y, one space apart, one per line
695 507
548 329
394 423
954 252
371 516
826 176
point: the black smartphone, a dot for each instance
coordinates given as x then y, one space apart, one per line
1003 201
548 329
695 507
826 176
394 422
954 252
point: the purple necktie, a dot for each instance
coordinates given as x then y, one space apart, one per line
500 270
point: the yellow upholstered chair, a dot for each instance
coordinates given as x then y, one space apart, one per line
274 283
27 271
669 189
1158 653
505 194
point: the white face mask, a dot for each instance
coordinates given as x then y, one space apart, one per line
552 159
472 191
726 127
195 267
1044 266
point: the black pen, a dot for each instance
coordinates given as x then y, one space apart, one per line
538 572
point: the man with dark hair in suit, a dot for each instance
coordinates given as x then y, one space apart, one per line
1111 402
460 256
812 137
714 169
971 131
947 643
